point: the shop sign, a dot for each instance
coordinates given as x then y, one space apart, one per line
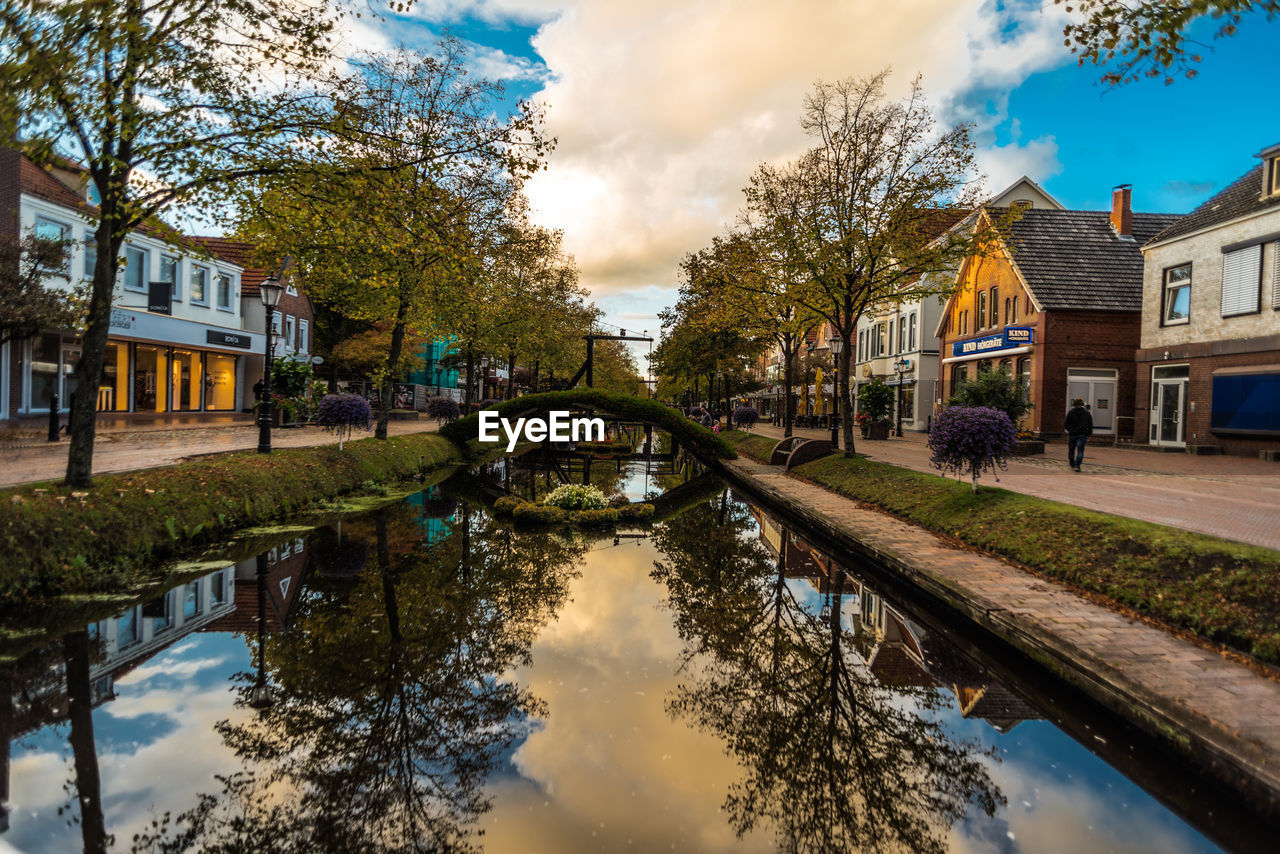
228 339
1014 336
121 319
160 298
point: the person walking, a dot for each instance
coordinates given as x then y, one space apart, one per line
1079 427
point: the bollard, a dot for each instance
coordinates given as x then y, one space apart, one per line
53 418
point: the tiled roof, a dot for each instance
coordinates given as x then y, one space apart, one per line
40 183
1240 199
1075 259
236 252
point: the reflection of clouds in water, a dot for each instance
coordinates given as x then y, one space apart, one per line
165 773
1050 814
610 768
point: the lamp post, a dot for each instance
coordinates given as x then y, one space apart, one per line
900 366
836 344
270 291
260 694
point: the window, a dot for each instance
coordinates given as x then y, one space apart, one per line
169 273
964 322
1006 367
1177 295
1008 318
981 319
1241 280
1246 403
1273 170
1275 275
224 292
1015 308
862 345
199 285
218 589
902 334
304 332
90 254
883 336
48 229
135 269
289 326
959 373
995 307
127 628
1024 373
912 339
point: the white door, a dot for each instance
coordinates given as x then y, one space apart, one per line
1169 420
1097 388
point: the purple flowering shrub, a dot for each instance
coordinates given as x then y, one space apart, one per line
968 440
342 413
745 416
443 408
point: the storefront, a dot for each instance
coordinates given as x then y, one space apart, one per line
153 364
1010 351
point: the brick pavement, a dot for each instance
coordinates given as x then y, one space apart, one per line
138 449
1237 498
1229 710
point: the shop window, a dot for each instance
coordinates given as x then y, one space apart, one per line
148 372
113 387
135 268
220 382
1024 373
1177 295
984 366
52 370
908 403
199 289
1246 403
184 368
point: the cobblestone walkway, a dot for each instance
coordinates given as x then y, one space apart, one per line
1237 498
1233 708
140 449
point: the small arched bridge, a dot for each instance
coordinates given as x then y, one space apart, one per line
608 405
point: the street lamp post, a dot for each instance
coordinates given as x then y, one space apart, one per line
270 291
260 694
900 366
836 344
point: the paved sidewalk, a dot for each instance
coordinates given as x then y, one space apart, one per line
1227 709
1237 498
140 449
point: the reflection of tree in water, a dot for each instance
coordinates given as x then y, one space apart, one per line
390 709
833 760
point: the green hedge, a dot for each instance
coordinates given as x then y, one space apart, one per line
1224 591
59 540
607 404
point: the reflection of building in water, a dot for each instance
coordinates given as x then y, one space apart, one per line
896 650
121 644
287 566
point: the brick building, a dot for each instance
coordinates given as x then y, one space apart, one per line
1208 365
1057 304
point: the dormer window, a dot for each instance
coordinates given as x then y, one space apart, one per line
1272 173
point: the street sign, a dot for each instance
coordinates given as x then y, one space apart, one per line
317 360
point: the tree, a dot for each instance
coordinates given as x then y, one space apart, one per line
1148 38
738 283
157 116
393 223
862 218
27 307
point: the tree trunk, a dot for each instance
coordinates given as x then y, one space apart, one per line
788 376
83 747
728 402
511 374
846 408
471 378
393 373
93 350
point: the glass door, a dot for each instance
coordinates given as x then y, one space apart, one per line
1171 413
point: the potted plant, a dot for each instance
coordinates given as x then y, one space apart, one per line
875 399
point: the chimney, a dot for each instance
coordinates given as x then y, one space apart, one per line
1121 211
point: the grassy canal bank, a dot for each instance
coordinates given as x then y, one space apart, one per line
1223 591
59 540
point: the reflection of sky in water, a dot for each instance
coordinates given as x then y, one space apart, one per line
606 769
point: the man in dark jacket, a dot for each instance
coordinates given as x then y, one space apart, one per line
1079 427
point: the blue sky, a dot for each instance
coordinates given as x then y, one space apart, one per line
662 109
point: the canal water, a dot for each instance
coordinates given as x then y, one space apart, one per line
428 677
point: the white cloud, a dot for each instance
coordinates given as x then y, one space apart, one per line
663 108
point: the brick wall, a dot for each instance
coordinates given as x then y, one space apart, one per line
1088 339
